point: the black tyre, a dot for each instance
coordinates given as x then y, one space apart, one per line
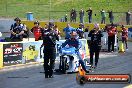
82 80
63 64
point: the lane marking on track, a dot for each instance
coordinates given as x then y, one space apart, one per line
129 86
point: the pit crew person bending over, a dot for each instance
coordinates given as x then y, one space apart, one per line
74 42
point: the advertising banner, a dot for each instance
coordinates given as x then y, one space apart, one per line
31 51
12 53
130 34
17 53
1 55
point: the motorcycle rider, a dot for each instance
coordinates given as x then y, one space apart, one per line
74 42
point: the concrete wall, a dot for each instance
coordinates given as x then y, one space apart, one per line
5 25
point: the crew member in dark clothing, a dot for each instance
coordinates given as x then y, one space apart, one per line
89 15
65 18
111 16
80 31
17 30
111 37
73 15
95 45
128 17
49 41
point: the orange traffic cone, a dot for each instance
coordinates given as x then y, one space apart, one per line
121 47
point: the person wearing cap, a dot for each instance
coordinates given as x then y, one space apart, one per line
112 31
67 30
17 30
124 35
80 31
95 44
73 41
49 42
37 31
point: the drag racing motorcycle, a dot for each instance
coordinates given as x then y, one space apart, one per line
69 61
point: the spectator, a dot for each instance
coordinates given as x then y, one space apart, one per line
103 16
55 28
111 16
128 17
68 30
65 18
86 29
81 13
26 31
73 15
37 31
17 30
89 15
124 35
46 26
80 31
112 31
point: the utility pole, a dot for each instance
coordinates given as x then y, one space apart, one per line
49 9
6 6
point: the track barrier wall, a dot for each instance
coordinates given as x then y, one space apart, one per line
13 53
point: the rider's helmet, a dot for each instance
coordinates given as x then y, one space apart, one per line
74 34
